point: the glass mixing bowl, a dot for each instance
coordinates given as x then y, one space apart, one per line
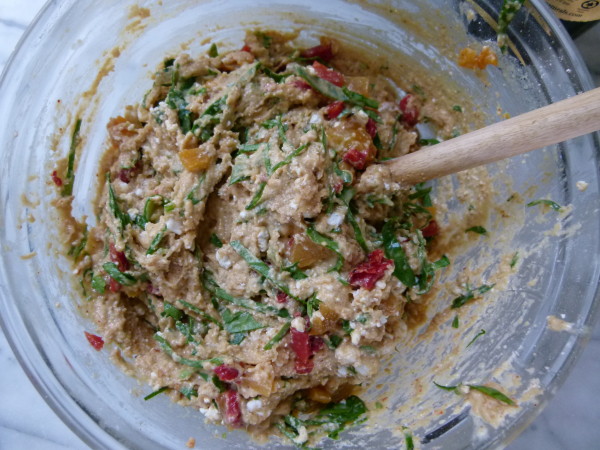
90 59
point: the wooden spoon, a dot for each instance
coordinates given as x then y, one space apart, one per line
551 124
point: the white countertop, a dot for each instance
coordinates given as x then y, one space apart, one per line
571 421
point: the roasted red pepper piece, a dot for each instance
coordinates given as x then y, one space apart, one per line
371 127
334 109
113 286
95 341
226 373
246 48
56 179
230 409
118 258
432 229
282 297
301 84
323 52
316 344
125 175
328 74
367 273
302 349
410 110
356 158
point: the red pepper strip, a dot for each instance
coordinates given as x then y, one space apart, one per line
95 341
432 229
334 109
226 373
356 158
328 74
367 273
56 179
118 258
246 48
371 127
301 347
113 286
282 297
323 52
231 410
301 84
410 110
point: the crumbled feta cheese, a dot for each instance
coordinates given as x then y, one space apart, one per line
211 413
315 118
253 405
581 185
363 370
244 214
263 240
342 372
380 284
174 225
222 259
299 324
335 219
139 192
302 435
293 205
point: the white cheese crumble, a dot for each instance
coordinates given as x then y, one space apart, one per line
302 435
581 185
263 240
211 413
315 118
254 405
299 324
174 225
335 219
222 259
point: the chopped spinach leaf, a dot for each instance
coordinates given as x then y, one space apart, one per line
222 387
428 141
481 333
113 204
278 337
188 392
394 251
98 284
295 272
334 341
239 322
70 175
155 393
555 206
494 393
214 240
476 229
124 278
455 322
342 414
256 198
213 52
198 364
507 13
154 245
201 313
171 311
514 260
457 108
470 295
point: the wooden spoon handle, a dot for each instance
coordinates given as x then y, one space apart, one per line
551 124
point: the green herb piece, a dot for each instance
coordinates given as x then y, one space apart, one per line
476 229
240 170
394 251
428 141
507 13
186 329
470 295
514 260
423 193
278 337
447 388
347 327
222 387
124 278
239 322
176 100
481 333
171 311
188 392
295 272
201 313
256 198
213 52
113 204
220 293
214 240
334 341
237 338
342 414
76 250
277 77
331 90
555 206
155 393
346 196
494 393
281 127
417 90
265 39
70 175
205 125
368 349
150 206
321 239
372 201
192 194
455 323
98 284
312 304
408 439
260 267
156 241
457 108
288 159
248 148
198 364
